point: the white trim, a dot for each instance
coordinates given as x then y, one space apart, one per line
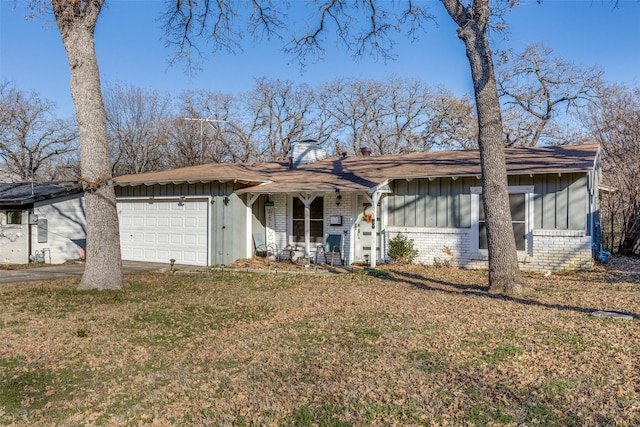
210 202
306 198
203 253
528 191
152 199
513 189
374 199
251 198
426 230
382 187
384 220
560 233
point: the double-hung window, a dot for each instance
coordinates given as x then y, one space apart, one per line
521 205
316 229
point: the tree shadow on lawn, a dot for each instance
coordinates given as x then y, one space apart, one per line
422 282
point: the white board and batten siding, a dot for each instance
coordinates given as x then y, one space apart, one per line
162 230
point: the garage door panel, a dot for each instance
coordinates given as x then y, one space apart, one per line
190 239
189 257
150 254
137 253
164 254
163 230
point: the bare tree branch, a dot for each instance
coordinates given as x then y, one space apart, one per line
534 86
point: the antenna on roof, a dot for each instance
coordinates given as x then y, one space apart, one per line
32 170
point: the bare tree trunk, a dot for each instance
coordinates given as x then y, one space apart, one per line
76 22
504 273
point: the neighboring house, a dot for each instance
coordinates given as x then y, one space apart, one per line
41 222
207 215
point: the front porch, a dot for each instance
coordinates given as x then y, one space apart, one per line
296 226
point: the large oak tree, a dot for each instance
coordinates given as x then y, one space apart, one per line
473 27
76 20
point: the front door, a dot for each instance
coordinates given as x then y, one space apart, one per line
364 229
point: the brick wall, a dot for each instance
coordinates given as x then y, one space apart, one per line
557 250
553 250
280 203
437 246
345 210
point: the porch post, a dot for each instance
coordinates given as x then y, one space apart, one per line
249 227
374 199
306 200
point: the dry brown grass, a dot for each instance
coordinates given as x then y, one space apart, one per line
395 346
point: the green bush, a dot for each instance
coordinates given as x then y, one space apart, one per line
401 249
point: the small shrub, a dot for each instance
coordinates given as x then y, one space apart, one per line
401 249
439 262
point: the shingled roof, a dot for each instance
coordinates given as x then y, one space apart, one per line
25 193
361 173
223 172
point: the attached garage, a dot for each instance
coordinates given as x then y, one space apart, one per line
193 215
160 230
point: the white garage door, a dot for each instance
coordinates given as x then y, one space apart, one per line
164 230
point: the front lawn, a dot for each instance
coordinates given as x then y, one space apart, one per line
394 346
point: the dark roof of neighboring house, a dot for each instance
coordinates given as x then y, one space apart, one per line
25 193
364 173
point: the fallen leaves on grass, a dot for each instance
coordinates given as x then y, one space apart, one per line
397 346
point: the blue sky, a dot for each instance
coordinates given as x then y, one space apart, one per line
130 50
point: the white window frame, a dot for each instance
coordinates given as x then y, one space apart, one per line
476 192
324 220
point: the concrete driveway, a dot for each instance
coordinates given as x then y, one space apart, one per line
51 272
